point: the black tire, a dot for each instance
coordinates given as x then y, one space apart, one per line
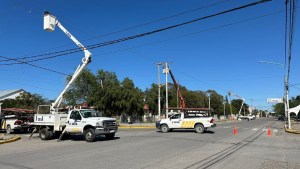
44 134
89 135
50 134
164 128
110 136
8 129
199 128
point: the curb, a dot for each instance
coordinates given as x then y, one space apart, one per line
13 139
292 131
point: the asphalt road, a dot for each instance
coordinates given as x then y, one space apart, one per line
146 148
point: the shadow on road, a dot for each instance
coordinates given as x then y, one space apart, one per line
81 138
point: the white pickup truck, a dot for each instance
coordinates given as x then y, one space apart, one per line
198 122
248 117
78 121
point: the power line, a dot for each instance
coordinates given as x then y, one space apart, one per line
133 27
148 33
23 62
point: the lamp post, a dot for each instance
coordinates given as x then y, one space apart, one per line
286 90
158 74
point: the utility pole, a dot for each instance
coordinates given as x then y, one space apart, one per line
208 94
224 102
158 75
230 104
166 71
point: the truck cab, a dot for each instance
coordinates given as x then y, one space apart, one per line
90 123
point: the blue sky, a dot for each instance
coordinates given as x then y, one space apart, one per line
204 55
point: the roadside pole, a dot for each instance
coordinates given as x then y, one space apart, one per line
166 71
224 102
158 74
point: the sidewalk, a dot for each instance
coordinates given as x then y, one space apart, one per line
295 127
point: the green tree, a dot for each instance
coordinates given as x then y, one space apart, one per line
106 93
131 99
82 88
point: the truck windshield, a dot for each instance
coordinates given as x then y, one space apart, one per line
90 113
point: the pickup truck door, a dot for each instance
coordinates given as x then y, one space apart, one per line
176 121
74 123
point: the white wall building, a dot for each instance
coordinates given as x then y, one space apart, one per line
10 94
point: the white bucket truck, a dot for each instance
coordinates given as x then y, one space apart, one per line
78 121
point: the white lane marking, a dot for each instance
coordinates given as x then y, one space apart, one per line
255 129
275 130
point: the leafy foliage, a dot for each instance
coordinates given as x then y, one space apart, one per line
106 93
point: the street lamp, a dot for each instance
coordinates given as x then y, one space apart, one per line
286 90
158 71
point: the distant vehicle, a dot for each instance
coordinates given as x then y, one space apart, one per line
280 117
200 121
248 117
16 120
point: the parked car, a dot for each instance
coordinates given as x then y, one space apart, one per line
15 120
281 117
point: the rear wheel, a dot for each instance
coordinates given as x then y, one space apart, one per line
44 134
164 128
89 135
110 136
199 128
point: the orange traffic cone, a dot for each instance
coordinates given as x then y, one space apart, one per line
269 131
235 130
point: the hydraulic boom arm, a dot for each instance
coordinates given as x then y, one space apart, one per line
177 88
243 100
49 24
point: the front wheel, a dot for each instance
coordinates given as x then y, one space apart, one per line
164 128
199 128
89 135
110 136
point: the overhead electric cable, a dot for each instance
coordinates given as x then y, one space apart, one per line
155 31
23 62
133 27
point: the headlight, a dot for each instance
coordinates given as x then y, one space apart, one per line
98 124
